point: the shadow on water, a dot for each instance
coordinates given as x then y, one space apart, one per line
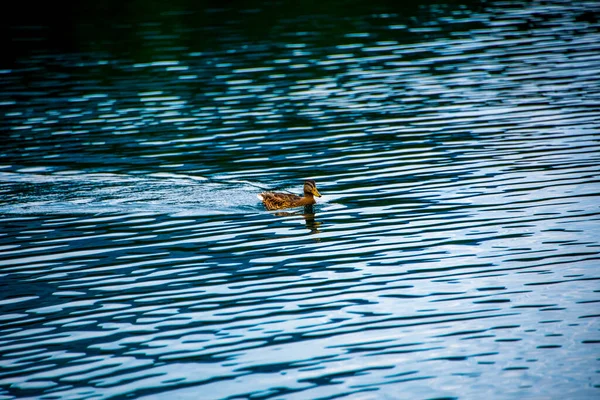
308 214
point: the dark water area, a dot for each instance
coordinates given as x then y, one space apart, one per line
455 251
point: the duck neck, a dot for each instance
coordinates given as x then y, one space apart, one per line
308 198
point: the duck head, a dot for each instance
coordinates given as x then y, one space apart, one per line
310 188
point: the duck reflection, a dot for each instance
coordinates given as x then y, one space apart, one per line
309 218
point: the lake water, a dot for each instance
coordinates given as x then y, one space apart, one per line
454 253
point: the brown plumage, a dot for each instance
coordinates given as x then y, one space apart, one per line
277 201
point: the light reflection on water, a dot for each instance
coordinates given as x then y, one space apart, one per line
452 254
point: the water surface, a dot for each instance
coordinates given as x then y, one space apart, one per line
454 253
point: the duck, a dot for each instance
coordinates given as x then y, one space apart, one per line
278 201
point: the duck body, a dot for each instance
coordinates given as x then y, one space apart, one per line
278 201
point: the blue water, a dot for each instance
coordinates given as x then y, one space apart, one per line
454 253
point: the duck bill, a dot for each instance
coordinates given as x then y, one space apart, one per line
316 193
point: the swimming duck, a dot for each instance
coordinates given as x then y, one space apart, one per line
277 201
